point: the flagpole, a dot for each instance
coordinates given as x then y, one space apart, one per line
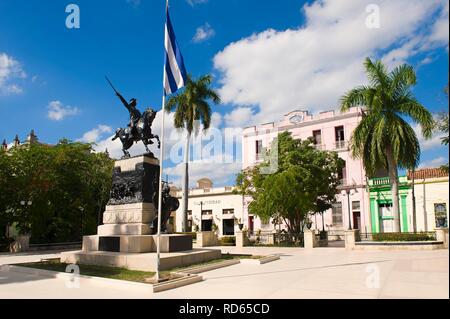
161 160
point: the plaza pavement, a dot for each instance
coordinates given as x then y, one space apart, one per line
299 274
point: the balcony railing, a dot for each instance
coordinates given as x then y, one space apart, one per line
385 181
341 146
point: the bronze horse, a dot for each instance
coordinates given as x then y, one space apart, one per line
141 132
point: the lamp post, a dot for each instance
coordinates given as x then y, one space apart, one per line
348 192
25 204
81 224
201 216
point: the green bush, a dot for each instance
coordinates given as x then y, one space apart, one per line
228 241
402 237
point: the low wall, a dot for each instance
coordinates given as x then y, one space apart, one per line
431 245
62 246
207 239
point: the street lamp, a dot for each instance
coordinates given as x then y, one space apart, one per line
201 216
81 226
349 192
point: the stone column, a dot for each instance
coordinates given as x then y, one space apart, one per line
21 244
241 239
206 239
442 235
310 239
351 237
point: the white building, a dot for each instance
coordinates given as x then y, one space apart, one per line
431 190
209 206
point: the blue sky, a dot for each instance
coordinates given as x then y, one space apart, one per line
267 57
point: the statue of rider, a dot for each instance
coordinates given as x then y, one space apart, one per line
135 114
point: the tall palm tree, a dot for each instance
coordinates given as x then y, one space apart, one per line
192 105
384 139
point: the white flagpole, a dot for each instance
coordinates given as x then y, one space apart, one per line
161 161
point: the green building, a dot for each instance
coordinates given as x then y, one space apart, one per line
381 212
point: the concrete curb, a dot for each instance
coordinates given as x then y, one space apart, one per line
261 261
222 264
187 279
184 280
69 276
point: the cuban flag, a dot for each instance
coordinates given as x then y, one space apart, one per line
175 74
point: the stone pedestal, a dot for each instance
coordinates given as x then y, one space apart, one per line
351 237
310 239
131 210
442 235
206 239
241 239
21 244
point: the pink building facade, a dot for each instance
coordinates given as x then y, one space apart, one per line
331 131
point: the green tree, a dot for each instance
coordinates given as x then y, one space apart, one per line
442 126
67 186
305 183
191 106
384 139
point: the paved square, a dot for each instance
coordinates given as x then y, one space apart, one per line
321 273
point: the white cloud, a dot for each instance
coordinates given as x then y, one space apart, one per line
57 111
220 174
10 69
219 163
216 120
203 33
312 66
434 143
239 117
195 2
437 162
440 31
95 134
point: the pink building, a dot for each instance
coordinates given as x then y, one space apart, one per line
331 131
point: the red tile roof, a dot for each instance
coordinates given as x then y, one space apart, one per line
427 173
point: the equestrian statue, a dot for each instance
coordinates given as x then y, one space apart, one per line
139 128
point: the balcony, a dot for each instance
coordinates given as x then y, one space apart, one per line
386 181
341 146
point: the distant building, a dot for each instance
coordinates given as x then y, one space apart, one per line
209 206
331 131
431 190
431 187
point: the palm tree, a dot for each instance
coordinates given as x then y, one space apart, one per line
191 105
384 139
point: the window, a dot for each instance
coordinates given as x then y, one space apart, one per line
340 137
317 136
337 215
356 206
440 213
356 209
207 212
228 227
342 175
259 149
339 131
228 211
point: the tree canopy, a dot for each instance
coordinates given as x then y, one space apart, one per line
306 182
55 193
